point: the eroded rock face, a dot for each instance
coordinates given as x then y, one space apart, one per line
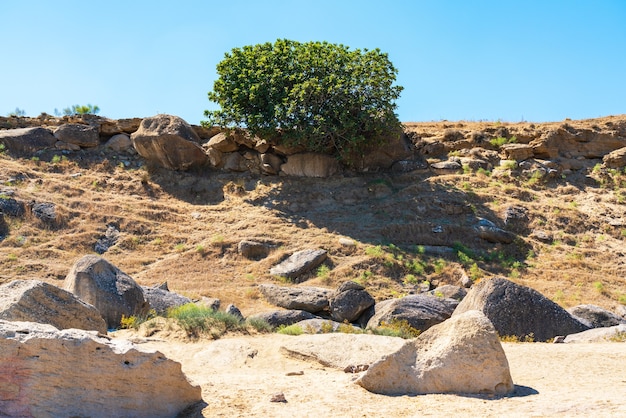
45 372
26 141
519 311
306 298
299 263
460 355
311 165
349 302
278 318
420 311
36 301
110 290
78 134
162 299
170 142
595 316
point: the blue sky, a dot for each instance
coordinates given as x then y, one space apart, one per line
457 60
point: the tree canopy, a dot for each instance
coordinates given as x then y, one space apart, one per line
320 95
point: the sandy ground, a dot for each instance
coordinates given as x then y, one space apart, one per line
239 376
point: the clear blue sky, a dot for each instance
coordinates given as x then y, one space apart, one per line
537 60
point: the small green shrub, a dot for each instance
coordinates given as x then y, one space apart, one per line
376 251
499 141
260 325
290 329
598 286
81 110
396 328
133 321
197 320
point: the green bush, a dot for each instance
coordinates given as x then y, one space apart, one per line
81 110
290 329
197 320
322 96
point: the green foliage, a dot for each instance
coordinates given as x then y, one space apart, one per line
260 325
396 328
499 141
133 321
197 320
322 96
81 110
290 329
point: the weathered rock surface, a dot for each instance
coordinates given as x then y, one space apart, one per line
161 299
234 311
461 355
349 301
223 142
278 318
26 141
311 165
45 372
78 134
36 301
420 311
517 152
488 231
306 298
299 263
449 291
11 207
595 316
596 335
119 143
615 159
341 350
110 290
46 212
253 250
170 142
519 311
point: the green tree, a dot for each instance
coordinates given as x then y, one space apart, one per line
81 110
320 95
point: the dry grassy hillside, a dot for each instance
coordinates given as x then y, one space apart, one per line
183 228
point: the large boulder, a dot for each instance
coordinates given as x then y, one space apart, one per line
45 372
519 311
306 298
394 148
615 159
78 134
349 301
420 311
36 301
595 316
162 299
170 142
283 318
26 141
299 263
461 355
110 290
311 165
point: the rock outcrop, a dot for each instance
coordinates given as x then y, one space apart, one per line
84 136
299 263
110 290
519 311
420 311
595 316
45 372
286 318
26 141
349 301
170 142
462 355
306 298
162 299
36 301
311 165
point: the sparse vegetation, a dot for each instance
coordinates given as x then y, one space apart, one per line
199 320
396 328
87 109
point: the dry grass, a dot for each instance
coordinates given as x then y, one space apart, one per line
184 228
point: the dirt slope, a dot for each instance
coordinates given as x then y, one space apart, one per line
184 227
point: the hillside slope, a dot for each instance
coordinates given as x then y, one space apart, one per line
408 228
